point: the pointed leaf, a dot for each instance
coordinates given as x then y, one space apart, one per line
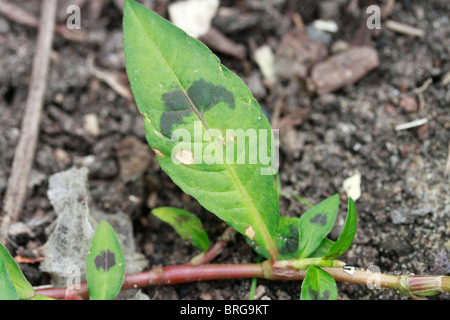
315 224
318 285
322 249
7 289
348 233
105 264
23 287
186 224
208 132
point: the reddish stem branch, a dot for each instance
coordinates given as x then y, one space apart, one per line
409 285
215 250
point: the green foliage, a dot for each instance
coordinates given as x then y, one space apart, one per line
190 103
186 224
8 291
348 233
22 287
315 224
318 285
189 100
105 264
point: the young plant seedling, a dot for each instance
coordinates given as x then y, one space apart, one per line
105 269
211 137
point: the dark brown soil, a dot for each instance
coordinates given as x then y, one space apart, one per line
404 208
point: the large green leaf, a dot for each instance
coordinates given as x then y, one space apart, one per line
186 224
23 287
208 132
7 289
318 285
315 224
105 264
347 235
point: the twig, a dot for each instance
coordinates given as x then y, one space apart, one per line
110 78
419 91
404 28
447 165
387 8
24 154
407 284
412 124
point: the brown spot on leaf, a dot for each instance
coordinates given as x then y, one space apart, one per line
106 260
250 232
185 157
158 153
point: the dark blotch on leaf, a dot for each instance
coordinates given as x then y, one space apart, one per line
291 244
312 294
203 94
326 296
320 218
106 260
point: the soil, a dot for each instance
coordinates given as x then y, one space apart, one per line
404 208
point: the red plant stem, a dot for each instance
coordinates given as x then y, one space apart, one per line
215 250
188 273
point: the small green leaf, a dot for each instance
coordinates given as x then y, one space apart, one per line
348 233
186 224
23 287
105 264
315 224
7 289
318 285
322 249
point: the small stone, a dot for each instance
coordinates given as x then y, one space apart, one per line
423 132
91 125
193 16
319 35
344 68
391 110
352 186
62 156
134 157
340 46
265 59
296 55
19 229
404 150
409 104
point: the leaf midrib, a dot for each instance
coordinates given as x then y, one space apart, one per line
271 246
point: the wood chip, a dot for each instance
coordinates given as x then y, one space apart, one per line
110 78
217 41
344 68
